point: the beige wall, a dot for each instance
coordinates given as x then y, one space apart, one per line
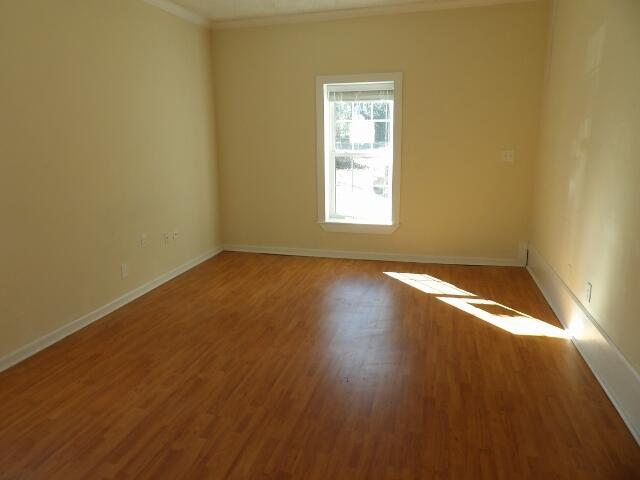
587 209
472 86
106 132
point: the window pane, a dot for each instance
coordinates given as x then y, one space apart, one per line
343 136
342 110
362 188
362 110
343 162
362 134
381 139
381 110
362 146
359 137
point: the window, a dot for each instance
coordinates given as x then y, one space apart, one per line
359 152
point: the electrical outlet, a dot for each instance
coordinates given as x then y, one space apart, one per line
175 235
166 237
507 156
143 240
124 270
587 292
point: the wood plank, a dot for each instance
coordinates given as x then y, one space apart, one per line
264 366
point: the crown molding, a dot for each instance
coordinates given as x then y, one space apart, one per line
422 6
180 12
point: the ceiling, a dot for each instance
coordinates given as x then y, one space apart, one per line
231 10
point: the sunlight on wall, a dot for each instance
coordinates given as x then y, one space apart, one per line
518 324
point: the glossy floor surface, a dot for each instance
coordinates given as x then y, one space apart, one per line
258 366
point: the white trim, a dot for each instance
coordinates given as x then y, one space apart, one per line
66 330
421 6
358 227
321 118
322 139
616 375
385 256
181 12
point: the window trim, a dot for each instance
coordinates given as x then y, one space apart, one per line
322 117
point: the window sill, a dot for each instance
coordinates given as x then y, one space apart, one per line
358 227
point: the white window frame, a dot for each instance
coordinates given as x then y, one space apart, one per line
323 117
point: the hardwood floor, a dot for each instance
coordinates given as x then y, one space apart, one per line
258 366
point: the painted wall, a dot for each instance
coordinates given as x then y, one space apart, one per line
587 208
472 87
106 132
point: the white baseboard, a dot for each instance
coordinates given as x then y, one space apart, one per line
618 378
66 330
395 257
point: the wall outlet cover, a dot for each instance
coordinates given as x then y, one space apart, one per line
587 291
507 155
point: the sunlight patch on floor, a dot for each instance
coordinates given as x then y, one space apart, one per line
486 310
519 324
428 284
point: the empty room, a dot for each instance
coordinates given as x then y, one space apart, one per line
320 239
